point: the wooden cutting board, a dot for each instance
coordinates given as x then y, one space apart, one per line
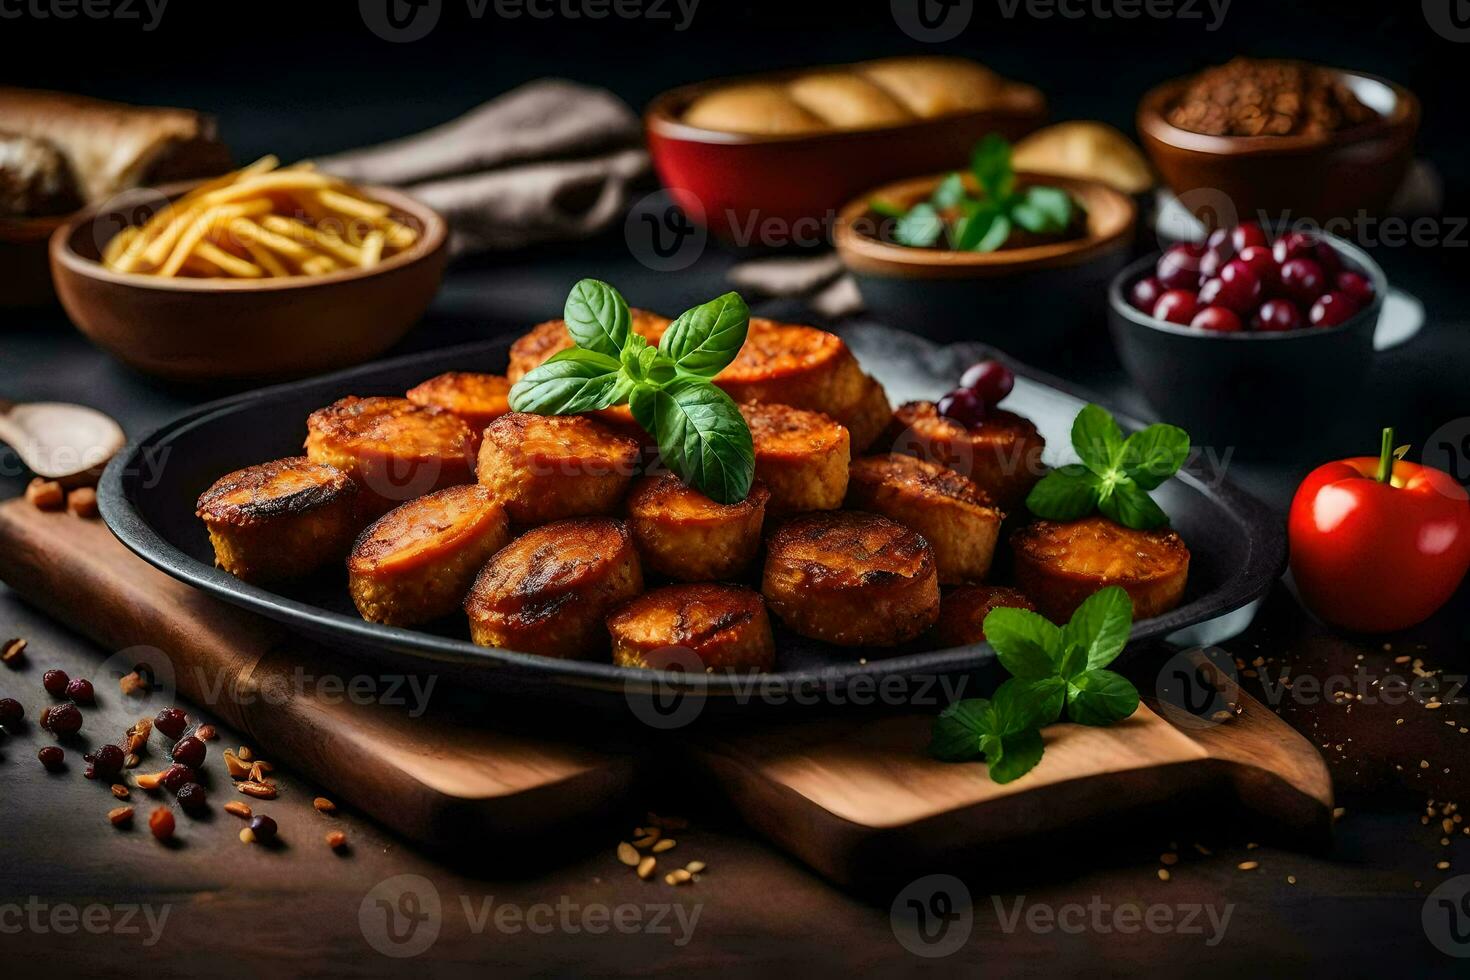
851 795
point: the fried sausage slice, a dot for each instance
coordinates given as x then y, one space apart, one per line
416 563
962 612
684 535
794 365
550 590
393 449
478 399
1061 564
948 509
544 468
1003 455
280 520
800 456
851 578
868 418
531 349
725 626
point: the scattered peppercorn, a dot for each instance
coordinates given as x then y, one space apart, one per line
52 757
176 777
11 712
189 751
55 681
161 823
263 827
63 719
171 721
107 761
80 691
193 798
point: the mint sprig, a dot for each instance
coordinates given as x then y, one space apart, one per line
983 222
1054 669
700 432
1115 474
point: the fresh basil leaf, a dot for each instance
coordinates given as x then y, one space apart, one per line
597 317
1026 643
920 228
958 729
702 437
1132 507
991 164
1053 204
1097 439
949 193
573 381
973 224
1154 454
1035 703
1030 217
1018 754
996 234
1100 626
1100 697
702 341
1065 494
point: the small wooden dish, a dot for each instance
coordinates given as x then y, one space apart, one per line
212 329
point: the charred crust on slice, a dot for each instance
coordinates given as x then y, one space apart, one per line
1059 564
686 536
726 626
544 468
1002 455
478 399
800 455
962 612
280 488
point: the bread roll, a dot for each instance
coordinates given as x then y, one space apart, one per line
752 108
847 101
1086 150
936 86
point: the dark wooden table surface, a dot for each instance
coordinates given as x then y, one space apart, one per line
82 897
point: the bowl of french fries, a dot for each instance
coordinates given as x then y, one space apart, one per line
266 272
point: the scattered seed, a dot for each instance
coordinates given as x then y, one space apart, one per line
207 732
12 649
1164 874
1443 865
120 816
82 502
120 791
131 761
236 768
324 805
678 876
1448 824
1168 857
695 867
664 845
628 854
645 868
257 789
132 683
45 494
336 840
245 754
161 823
1337 813
1248 865
247 836
647 840
258 770
238 808
149 780
1291 879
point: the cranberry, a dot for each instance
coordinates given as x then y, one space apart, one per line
1220 240
193 798
55 681
80 691
1211 262
1277 314
1328 259
1302 281
1258 259
1294 245
963 406
1356 285
64 719
1246 235
991 381
1178 268
1217 318
1197 249
189 751
171 721
107 761
53 758
1332 309
1145 293
1176 306
176 777
161 823
263 827
1236 288
11 712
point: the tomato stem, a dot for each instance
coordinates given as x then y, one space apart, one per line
1385 457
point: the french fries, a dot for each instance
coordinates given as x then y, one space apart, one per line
263 221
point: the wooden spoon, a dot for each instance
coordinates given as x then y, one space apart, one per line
59 441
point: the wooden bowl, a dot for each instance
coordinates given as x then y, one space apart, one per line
23 256
210 329
761 191
1228 179
1025 301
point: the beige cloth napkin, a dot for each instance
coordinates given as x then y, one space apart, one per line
818 280
549 161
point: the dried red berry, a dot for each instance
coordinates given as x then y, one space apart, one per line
193 798
64 719
161 823
171 721
11 712
189 751
176 776
263 827
80 691
55 681
107 761
53 758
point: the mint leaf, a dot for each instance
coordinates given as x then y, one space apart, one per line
1154 454
1032 218
991 164
703 340
984 231
1052 204
572 381
1132 507
1100 626
1100 697
920 228
701 436
1097 439
1026 643
597 317
958 729
949 193
1015 755
1065 494
1033 703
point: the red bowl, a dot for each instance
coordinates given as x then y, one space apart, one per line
779 190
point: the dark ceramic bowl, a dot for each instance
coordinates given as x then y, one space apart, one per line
738 183
1025 301
1266 394
1225 179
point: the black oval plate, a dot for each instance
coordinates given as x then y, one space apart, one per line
148 492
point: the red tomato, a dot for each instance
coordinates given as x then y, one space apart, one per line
1377 556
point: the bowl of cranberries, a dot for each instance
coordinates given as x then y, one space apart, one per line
1234 335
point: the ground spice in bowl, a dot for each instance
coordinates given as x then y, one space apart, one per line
1250 97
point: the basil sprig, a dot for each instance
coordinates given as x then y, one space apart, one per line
1053 668
700 432
984 222
1115 474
